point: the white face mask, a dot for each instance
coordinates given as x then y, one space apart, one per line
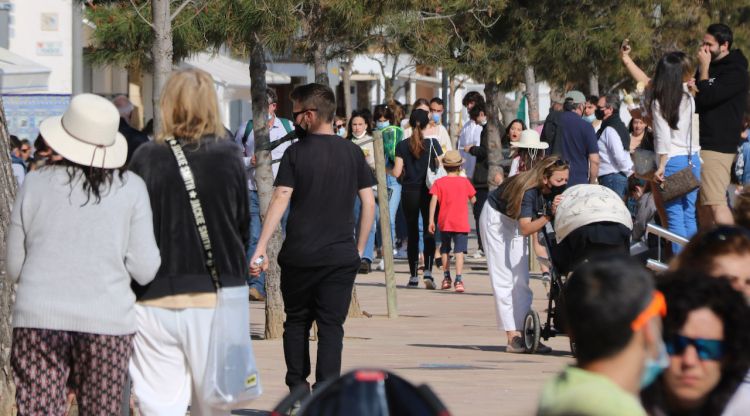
363 134
483 122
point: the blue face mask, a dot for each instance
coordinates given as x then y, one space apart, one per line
380 125
590 118
342 132
653 367
436 117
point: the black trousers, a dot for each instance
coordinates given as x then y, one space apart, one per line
481 199
416 201
321 294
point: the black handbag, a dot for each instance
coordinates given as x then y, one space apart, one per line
684 181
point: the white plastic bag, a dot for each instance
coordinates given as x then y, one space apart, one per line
231 380
434 175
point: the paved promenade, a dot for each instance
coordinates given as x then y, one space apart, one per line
448 340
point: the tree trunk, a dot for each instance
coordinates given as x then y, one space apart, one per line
453 123
594 83
161 52
444 90
506 107
135 91
494 98
346 79
264 180
320 64
7 196
388 87
355 311
532 96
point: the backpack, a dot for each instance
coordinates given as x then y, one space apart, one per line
249 127
392 135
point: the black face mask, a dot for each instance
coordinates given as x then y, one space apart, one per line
300 131
556 190
599 114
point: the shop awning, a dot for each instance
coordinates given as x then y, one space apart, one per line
20 75
419 78
231 73
364 77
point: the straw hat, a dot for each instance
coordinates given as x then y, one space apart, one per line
452 159
530 140
87 134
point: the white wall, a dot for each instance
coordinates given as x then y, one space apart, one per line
46 41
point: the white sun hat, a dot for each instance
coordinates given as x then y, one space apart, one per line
530 140
87 134
586 204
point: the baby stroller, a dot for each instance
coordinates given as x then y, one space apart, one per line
364 392
591 221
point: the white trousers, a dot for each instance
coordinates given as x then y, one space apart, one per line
507 253
169 360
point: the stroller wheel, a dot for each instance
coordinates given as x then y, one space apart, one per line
531 331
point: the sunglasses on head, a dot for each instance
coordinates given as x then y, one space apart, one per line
560 162
707 349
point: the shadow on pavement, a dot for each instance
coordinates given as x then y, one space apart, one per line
497 348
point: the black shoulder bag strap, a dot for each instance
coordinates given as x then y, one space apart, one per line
195 204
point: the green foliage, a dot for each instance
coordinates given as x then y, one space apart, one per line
123 35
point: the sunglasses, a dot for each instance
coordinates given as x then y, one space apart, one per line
297 113
708 349
560 162
338 126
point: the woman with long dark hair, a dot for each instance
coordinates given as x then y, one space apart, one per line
358 131
80 232
413 157
175 311
513 132
671 107
513 211
706 336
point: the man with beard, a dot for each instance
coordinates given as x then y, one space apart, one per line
722 83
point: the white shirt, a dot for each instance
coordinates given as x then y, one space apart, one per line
613 158
675 142
470 135
276 132
19 172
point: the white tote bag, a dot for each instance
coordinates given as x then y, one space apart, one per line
433 175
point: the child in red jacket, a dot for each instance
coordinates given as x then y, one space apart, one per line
452 192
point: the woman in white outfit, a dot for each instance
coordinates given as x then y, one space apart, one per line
521 206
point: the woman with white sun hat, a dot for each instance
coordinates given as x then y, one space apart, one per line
81 229
527 150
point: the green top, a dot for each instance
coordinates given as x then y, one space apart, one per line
583 393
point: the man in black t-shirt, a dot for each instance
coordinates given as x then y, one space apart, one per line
320 175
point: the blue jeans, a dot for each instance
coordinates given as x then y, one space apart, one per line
370 246
255 228
393 203
617 182
681 211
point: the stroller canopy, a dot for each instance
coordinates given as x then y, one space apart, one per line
588 204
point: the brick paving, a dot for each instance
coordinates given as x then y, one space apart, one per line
448 340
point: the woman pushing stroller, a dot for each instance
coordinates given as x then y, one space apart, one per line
521 206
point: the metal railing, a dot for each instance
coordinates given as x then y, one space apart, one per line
657 264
